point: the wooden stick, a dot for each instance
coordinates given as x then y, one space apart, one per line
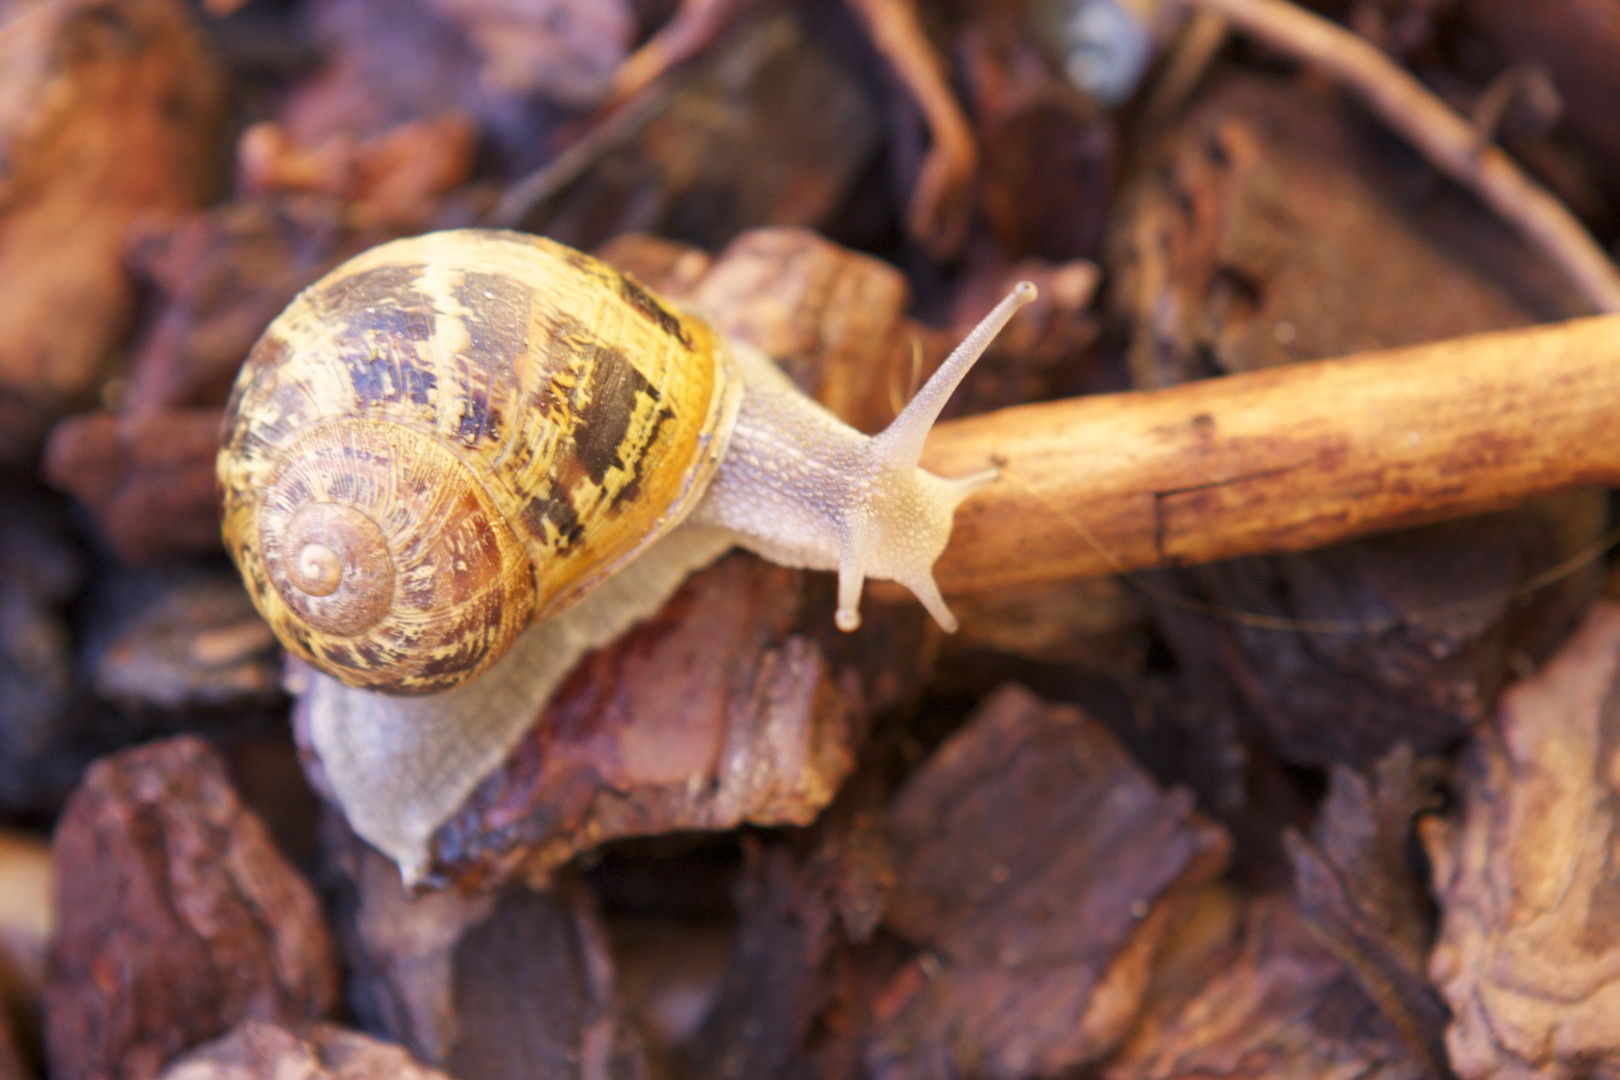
1447 139
943 200
1284 459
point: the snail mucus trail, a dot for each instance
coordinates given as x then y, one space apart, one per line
462 460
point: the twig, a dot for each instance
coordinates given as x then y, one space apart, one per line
1198 40
1447 139
1284 459
942 204
692 28
523 202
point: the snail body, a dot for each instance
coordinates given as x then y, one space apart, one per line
461 460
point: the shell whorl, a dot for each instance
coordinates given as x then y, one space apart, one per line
454 434
360 587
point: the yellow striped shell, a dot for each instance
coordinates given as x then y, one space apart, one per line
452 435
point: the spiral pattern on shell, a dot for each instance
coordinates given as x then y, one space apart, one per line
451 435
393 605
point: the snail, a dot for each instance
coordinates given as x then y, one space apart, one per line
459 461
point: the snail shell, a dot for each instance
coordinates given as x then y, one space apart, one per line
453 435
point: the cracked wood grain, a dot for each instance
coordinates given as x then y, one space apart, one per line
1284 459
